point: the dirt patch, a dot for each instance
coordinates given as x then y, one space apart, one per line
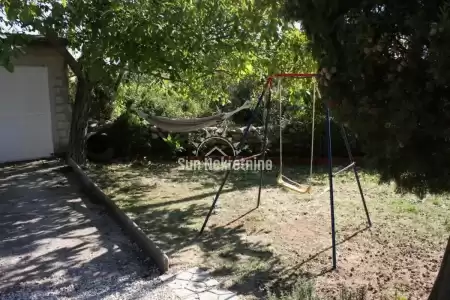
289 236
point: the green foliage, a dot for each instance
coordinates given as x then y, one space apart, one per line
385 65
181 58
176 40
225 91
447 225
304 290
7 51
130 137
157 99
436 201
174 144
229 87
359 294
249 69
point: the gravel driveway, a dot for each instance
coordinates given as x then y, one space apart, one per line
54 244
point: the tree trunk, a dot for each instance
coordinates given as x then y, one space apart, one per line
441 288
78 128
80 114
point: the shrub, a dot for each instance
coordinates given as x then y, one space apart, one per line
304 290
129 136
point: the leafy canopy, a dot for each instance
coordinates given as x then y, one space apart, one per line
166 39
289 53
385 65
194 49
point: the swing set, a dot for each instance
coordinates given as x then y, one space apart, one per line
283 180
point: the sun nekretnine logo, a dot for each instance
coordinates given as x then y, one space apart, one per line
216 152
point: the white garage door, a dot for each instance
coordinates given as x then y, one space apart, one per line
25 117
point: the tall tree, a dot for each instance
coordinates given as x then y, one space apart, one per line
171 39
385 65
288 52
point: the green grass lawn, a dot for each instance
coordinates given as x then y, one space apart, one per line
288 238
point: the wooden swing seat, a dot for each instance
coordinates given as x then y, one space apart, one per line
295 187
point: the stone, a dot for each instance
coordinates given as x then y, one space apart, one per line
58 82
183 293
199 275
178 284
228 297
193 270
61 117
207 296
59 108
167 277
63 141
186 275
218 295
192 297
62 126
197 287
62 134
211 282
59 99
195 284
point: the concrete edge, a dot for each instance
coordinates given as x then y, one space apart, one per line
137 234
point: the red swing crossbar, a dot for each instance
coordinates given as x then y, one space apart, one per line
297 75
293 75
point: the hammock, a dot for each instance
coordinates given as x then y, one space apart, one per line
189 125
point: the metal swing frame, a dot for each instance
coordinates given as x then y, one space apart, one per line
351 165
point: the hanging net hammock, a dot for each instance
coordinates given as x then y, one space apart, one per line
189 125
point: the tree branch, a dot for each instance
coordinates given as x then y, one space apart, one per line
156 75
117 83
119 79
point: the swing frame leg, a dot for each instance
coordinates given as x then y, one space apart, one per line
227 174
264 147
355 171
330 179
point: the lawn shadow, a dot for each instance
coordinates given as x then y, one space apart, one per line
278 278
227 251
173 172
238 179
174 223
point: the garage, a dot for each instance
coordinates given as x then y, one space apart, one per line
25 120
35 110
